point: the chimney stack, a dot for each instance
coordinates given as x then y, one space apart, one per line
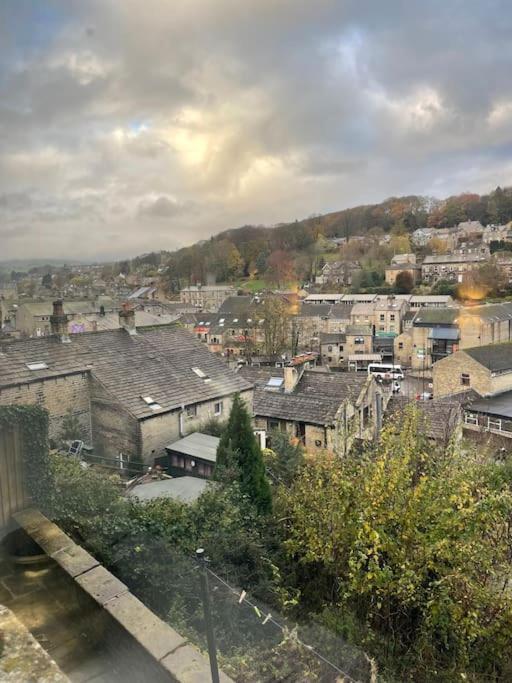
291 377
127 319
59 322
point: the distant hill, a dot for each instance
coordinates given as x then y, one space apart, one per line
248 249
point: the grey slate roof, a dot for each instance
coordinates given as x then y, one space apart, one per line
439 417
155 363
494 357
236 305
315 400
332 338
490 312
314 310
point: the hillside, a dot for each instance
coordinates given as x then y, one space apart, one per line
293 250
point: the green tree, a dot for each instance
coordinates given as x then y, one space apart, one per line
239 453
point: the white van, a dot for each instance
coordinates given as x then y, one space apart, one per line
386 371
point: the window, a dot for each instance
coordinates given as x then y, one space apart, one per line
329 360
400 346
341 347
191 411
464 379
382 318
40 365
392 317
217 408
359 340
329 348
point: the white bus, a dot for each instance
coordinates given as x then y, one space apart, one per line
386 371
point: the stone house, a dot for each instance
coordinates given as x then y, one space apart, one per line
132 390
326 411
452 267
388 315
332 349
207 297
484 369
33 318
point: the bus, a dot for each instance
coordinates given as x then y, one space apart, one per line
386 371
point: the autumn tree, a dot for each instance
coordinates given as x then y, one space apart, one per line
412 541
275 314
239 455
280 267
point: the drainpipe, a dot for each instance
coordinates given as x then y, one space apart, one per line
180 418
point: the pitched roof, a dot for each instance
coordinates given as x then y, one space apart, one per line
436 316
490 312
236 305
155 362
314 310
439 417
495 357
332 338
315 400
197 445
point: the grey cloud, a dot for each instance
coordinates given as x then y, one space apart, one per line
162 207
261 111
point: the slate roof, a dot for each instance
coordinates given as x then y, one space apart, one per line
341 311
489 312
314 310
436 316
154 362
315 400
494 357
332 338
439 417
236 305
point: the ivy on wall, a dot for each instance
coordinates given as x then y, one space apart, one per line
32 423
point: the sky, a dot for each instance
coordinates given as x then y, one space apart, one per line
129 126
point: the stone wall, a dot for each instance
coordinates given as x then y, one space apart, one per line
57 395
114 429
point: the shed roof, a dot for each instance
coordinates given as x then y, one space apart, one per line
184 489
197 445
499 405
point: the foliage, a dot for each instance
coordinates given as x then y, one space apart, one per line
239 451
280 268
404 283
212 426
32 423
284 459
416 544
71 428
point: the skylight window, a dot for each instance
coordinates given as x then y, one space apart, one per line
235 320
39 365
151 403
222 320
275 382
201 374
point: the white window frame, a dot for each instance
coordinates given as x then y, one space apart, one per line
218 408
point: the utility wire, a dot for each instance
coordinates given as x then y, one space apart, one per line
282 628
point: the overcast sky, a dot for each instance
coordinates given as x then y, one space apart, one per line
133 125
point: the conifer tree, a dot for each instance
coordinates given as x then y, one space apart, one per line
239 457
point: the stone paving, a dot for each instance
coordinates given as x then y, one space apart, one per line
69 628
